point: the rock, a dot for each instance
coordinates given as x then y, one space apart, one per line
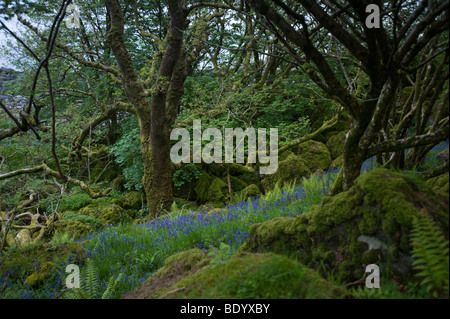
211 189
22 261
74 227
132 200
23 237
40 275
11 239
193 274
291 169
337 163
336 144
113 214
440 184
119 182
380 206
315 154
251 191
75 202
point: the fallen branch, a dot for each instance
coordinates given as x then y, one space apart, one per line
44 168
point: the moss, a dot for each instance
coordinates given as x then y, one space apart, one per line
284 155
291 169
175 267
40 275
75 202
336 144
90 220
315 154
113 214
252 276
202 186
440 184
23 237
11 239
89 210
75 228
337 163
118 183
320 138
132 200
23 261
237 184
251 191
381 204
211 189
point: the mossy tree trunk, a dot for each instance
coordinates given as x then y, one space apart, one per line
155 117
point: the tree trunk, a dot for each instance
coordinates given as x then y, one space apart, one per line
155 118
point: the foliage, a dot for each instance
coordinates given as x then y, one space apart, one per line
220 256
75 202
186 175
93 221
430 250
89 285
127 152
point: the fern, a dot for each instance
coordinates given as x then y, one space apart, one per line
220 256
90 287
111 287
430 250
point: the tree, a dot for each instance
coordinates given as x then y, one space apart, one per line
386 55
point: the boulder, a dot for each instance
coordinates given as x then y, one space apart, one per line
337 163
336 144
251 191
132 200
74 227
293 168
337 237
440 184
195 274
40 275
211 189
315 154
23 237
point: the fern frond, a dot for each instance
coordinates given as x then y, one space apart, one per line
110 288
90 280
431 254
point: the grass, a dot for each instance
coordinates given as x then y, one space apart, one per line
138 250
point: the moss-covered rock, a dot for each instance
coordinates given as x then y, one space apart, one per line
175 267
440 184
118 183
250 178
380 207
337 163
211 189
35 260
74 227
75 202
23 237
132 200
11 239
336 144
315 154
251 191
248 276
40 275
237 184
291 169
113 214
109 211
